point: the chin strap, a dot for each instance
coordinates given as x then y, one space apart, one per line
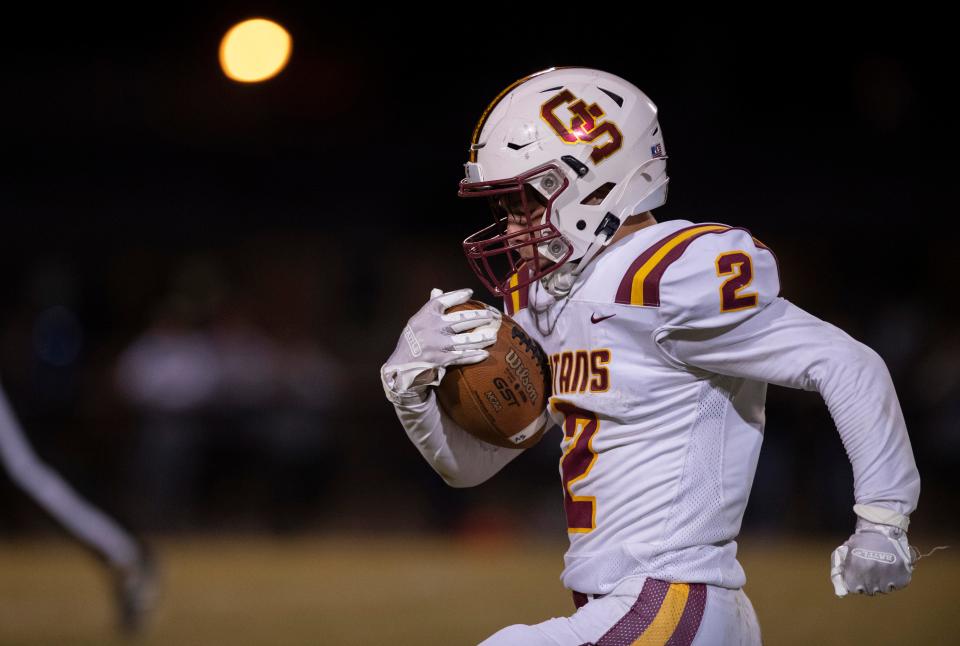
559 283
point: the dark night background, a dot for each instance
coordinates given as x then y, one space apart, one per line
283 232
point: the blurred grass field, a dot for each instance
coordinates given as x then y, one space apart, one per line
422 590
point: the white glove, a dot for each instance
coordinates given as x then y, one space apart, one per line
433 340
877 558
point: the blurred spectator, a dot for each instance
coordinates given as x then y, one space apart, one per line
227 408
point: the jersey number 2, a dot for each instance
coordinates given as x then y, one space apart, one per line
579 428
739 266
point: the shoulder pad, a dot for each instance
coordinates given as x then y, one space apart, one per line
721 278
702 272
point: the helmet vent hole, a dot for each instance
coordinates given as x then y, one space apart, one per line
615 97
656 130
581 225
599 194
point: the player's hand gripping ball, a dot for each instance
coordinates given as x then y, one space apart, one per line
503 399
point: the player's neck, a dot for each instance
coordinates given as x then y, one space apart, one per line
633 224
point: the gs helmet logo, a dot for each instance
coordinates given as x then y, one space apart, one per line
584 126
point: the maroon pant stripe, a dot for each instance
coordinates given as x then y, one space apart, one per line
692 616
639 617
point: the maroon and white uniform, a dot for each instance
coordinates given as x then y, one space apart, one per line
661 357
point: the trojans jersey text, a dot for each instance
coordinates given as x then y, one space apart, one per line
657 457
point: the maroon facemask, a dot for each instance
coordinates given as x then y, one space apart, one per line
497 256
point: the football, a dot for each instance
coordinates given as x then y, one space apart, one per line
503 399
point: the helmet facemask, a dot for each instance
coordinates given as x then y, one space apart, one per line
589 144
525 254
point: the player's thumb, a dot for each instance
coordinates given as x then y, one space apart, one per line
836 570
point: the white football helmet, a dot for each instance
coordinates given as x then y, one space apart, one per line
589 145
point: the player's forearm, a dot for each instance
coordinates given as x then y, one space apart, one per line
856 386
458 457
787 346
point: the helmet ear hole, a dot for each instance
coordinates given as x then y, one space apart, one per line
599 194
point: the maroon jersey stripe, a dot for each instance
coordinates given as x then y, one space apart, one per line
517 299
626 284
652 282
524 295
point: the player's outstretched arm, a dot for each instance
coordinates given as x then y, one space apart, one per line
721 314
432 341
784 345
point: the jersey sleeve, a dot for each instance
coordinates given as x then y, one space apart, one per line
721 313
459 458
718 278
786 346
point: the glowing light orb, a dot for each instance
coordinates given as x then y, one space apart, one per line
254 50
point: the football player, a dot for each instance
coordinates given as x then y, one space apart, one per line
662 337
130 566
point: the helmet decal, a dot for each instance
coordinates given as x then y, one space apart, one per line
563 160
583 127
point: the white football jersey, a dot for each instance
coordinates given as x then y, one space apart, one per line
657 457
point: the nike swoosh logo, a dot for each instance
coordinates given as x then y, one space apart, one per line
513 146
596 319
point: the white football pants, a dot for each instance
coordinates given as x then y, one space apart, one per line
642 610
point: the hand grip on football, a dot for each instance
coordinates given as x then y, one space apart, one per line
501 399
432 340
